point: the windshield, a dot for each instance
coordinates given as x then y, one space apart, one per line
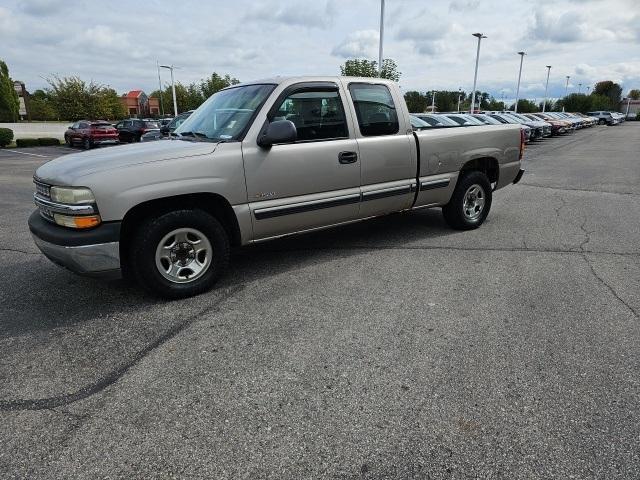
226 114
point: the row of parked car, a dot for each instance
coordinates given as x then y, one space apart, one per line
535 126
88 134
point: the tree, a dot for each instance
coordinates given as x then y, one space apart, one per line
525 106
611 90
215 83
369 68
74 99
40 106
9 103
634 94
416 101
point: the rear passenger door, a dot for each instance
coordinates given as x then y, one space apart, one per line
387 149
312 182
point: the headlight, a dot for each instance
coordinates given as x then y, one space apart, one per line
72 195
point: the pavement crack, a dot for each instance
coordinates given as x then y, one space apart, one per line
17 250
50 403
608 286
438 247
587 235
567 189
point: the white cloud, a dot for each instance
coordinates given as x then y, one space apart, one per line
362 43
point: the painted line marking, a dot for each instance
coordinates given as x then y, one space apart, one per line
25 153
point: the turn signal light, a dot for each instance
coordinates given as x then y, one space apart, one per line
85 221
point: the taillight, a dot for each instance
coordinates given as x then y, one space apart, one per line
522 137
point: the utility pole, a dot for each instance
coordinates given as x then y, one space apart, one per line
579 88
381 38
433 101
546 89
522 54
459 96
479 36
160 87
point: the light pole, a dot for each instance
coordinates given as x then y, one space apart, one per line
566 90
588 88
626 114
522 54
381 38
173 88
459 96
433 101
579 88
546 89
160 87
479 36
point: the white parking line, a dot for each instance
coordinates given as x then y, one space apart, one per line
25 153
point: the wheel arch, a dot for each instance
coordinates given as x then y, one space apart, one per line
215 204
487 165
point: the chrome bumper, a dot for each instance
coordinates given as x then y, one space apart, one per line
99 260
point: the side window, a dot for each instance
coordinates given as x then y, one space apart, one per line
75 125
375 109
317 114
127 123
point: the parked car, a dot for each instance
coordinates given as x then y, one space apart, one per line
487 119
131 130
542 128
463 119
604 117
291 155
167 129
558 127
418 124
527 132
575 123
435 120
90 134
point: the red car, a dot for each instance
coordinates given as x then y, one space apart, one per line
91 133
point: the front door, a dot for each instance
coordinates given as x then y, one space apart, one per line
310 183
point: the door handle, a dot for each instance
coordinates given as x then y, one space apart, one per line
347 157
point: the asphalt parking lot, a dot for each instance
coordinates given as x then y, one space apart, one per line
394 348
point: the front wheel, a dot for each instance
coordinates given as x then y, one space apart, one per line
470 202
86 143
179 254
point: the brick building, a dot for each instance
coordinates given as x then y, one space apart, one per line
139 105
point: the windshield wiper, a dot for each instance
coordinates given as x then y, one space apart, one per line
195 135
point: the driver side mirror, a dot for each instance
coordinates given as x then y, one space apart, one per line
280 131
71 127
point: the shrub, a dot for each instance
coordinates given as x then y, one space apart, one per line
27 142
45 142
6 136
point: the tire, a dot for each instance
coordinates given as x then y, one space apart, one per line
164 256
601 121
68 141
472 187
86 143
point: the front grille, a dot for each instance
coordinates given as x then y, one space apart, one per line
43 189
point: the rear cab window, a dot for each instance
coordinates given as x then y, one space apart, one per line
375 110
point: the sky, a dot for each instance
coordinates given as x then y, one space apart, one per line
117 43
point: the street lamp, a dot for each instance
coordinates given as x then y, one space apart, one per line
381 38
173 88
479 36
459 96
160 87
433 101
566 90
588 88
546 89
522 54
579 88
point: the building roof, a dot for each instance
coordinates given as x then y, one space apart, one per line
134 93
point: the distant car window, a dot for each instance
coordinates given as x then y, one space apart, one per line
459 120
375 109
317 114
150 125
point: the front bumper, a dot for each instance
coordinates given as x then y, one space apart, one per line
94 252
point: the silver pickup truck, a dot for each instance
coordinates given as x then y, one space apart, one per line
258 161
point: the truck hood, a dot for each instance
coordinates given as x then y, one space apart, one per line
68 168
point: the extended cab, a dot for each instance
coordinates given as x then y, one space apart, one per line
255 162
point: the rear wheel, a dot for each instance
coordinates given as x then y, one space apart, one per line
601 121
179 254
470 202
86 143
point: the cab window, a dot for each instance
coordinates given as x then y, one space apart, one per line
318 114
375 109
